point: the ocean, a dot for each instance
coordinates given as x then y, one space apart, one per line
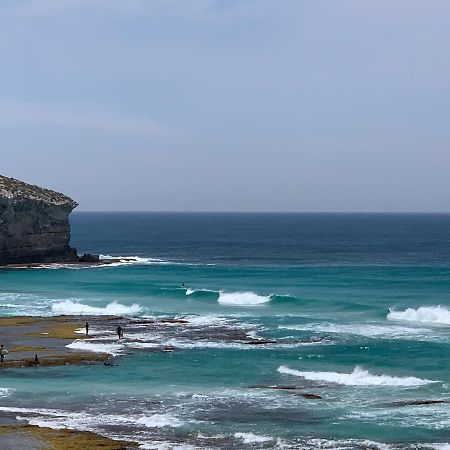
354 310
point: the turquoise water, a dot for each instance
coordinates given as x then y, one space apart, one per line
357 307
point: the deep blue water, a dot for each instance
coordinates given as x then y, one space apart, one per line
269 239
357 304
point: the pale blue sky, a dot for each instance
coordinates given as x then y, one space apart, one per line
234 105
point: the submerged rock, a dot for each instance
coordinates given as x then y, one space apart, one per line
34 224
414 403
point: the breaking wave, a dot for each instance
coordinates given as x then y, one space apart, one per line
242 298
359 377
132 260
427 314
112 349
159 421
69 307
199 292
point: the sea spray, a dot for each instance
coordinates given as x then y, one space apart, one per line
69 307
439 315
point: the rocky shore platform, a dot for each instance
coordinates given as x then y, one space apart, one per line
83 261
47 337
29 437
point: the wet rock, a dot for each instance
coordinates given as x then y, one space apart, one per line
261 342
89 258
182 321
414 403
310 396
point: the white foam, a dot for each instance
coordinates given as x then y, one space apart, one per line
112 349
143 344
359 377
207 344
439 315
206 320
242 298
366 330
250 438
344 444
159 421
69 307
166 446
43 411
190 291
138 261
4 392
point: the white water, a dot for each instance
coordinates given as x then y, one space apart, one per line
4 392
366 330
250 438
112 349
359 377
69 307
439 315
190 291
159 421
242 298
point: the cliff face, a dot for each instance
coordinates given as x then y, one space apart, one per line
34 224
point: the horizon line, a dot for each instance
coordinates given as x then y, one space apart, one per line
253 212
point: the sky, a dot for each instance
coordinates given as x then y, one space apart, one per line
229 105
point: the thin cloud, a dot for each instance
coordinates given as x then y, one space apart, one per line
19 112
193 9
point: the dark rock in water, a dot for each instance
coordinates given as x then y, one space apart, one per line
173 321
89 258
261 342
34 224
414 403
311 396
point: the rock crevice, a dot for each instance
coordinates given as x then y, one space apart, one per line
34 224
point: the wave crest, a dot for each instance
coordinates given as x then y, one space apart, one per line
359 377
426 314
69 307
242 298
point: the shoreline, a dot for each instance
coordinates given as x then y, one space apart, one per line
64 264
33 436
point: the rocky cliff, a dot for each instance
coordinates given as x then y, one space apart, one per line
34 224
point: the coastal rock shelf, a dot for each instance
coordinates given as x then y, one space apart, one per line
34 224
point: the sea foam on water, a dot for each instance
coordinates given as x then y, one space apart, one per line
359 377
439 315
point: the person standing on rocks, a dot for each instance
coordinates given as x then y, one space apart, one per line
36 360
3 352
119 331
87 328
